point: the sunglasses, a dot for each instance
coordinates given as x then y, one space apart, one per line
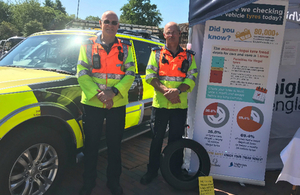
171 33
110 22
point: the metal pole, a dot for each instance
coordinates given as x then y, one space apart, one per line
189 44
78 8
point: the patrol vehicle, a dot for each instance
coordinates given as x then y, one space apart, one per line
6 45
40 111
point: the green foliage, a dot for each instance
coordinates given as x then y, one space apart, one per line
48 3
28 16
58 6
48 17
4 12
32 27
92 18
7 30
27 11
60 20
52 15
140 12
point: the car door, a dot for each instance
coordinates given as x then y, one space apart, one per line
140 93
144 90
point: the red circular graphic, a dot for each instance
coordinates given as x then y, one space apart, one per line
250 118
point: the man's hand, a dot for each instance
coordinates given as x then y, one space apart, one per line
105 95
173 96
109 104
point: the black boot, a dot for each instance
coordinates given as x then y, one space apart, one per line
115 189
148 177
86 190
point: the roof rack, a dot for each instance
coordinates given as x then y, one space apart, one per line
147 32
87 24
138 32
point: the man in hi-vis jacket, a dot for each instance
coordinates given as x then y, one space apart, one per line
105 73
172 72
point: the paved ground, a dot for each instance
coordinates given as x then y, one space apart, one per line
135 159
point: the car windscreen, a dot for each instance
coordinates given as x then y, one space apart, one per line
54 52
10 43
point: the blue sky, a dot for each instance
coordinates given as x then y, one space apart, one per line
171 10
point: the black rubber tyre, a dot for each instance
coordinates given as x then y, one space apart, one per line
190 182
32 161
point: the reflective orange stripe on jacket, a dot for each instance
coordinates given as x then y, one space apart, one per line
110 63
172 67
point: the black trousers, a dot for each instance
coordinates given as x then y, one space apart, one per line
93 124
177 121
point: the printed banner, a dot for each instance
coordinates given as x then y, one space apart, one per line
238 74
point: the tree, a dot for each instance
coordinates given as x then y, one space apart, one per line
49 15
4 12
52 15
32 27
27 11
60 7
60 20
7 30
60 17
48 3
57 5
140 12
92 18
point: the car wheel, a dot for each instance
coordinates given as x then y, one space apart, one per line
184 181
32 161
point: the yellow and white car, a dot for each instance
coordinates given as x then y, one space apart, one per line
40 110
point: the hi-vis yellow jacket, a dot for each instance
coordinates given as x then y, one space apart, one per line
167 69
114 72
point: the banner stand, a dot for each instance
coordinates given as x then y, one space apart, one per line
236 89
238 179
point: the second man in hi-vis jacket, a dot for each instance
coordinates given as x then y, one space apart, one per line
172 72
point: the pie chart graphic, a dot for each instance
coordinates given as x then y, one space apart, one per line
216 115
250 118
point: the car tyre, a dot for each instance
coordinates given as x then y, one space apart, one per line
190 182
32 161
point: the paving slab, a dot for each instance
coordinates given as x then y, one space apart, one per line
134 160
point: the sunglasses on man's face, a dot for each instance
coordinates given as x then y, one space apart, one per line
110 22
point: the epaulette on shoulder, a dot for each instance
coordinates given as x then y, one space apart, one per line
156 48
87 42
191 52
125 42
